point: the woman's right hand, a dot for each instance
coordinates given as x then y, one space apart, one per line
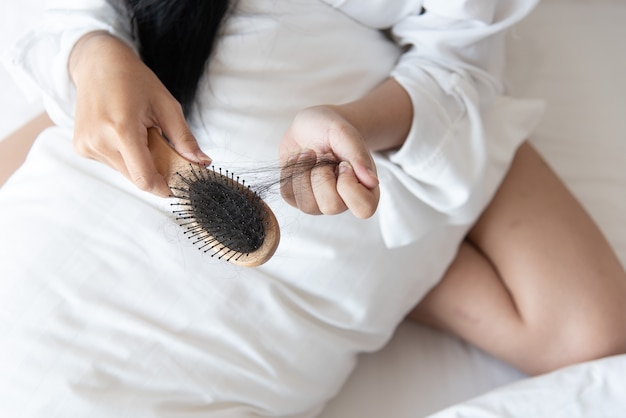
117 99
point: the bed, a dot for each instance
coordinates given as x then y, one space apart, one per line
569 53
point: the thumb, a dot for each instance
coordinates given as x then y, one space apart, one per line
177 132
186 145
360 199
348 146
365 172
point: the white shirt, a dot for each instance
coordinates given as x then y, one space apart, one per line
452 72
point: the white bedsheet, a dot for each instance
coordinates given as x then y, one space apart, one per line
571 53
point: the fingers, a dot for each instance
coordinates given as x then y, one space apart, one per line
347 145
361 200
313 187
318 134
286 180
118 98
296 184
125 152
140 166
120 141
323 188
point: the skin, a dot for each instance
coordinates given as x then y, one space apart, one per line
117 99
15 147
535 283
347 133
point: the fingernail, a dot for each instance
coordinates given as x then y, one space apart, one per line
344 167
197 156
203 157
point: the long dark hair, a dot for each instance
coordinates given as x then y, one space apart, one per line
176 38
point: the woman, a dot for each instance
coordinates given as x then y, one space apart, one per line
119 316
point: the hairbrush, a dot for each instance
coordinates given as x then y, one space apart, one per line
220 213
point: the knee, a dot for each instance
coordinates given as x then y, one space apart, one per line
579 342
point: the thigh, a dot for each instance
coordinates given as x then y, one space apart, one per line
546 248
536 283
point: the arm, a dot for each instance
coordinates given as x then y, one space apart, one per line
383 117
453 72
441 116
84 62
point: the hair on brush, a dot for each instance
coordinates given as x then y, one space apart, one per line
220 214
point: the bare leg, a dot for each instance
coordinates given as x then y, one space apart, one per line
536 283
15 147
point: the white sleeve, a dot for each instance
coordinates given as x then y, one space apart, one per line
465 129
39 60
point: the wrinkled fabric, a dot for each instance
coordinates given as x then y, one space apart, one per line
108 310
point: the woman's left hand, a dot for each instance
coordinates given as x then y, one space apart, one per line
322 133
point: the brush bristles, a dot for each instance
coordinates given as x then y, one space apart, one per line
220 214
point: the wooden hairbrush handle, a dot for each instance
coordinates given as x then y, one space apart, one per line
181 175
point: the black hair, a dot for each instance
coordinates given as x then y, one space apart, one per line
176 38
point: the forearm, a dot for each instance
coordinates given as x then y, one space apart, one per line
383 117
95 48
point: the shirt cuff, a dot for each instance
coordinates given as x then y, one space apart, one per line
39 60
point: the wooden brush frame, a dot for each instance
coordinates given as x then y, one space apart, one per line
171 165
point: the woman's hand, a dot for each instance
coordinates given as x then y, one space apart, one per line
323 133
346 133
118 99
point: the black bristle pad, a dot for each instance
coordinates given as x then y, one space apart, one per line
219 211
